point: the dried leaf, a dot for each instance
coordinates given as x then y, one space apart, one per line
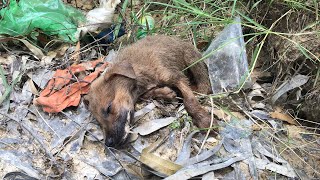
36 51
139 114
41 77
277 114
105 165
17 175
295 131
185 152
33 87
76 55
59 94
219 113
255 127
153 125
238 115
7 60
288 85
285 169
203 168
204 155
161 165
184 156
208 176
62 50
46 60
256 96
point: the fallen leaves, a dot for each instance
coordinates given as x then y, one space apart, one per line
153 125
288 85
62 92
36 51
279 114
160 165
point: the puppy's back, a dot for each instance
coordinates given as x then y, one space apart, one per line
159 50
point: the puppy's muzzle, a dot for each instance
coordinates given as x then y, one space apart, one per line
119 135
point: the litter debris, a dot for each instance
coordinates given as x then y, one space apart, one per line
185 152
184 156
280 169
52 17
227 59
256 140
36 51
60 94
107 36
41 77
99 17
17 175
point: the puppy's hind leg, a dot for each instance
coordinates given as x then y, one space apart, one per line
165 93
199 70
201 117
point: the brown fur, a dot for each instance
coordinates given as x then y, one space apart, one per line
151 67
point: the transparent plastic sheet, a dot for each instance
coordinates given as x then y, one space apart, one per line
227 60
52 17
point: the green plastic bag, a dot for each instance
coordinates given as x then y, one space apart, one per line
52 17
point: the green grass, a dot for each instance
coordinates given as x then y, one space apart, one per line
200 21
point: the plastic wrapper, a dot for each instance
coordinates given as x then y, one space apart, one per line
227 60
52 17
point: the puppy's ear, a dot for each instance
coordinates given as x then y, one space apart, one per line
123 69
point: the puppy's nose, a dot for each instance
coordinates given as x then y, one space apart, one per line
109 142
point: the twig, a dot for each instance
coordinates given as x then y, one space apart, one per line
211 124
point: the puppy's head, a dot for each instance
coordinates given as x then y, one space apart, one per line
111 101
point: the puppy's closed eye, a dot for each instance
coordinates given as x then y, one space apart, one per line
106 111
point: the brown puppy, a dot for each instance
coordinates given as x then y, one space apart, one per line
151 67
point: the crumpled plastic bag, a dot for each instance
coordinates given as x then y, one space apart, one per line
100 17
52 17
227 61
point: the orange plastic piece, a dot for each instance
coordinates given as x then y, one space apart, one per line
60 93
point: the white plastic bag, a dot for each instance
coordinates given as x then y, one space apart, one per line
227 62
